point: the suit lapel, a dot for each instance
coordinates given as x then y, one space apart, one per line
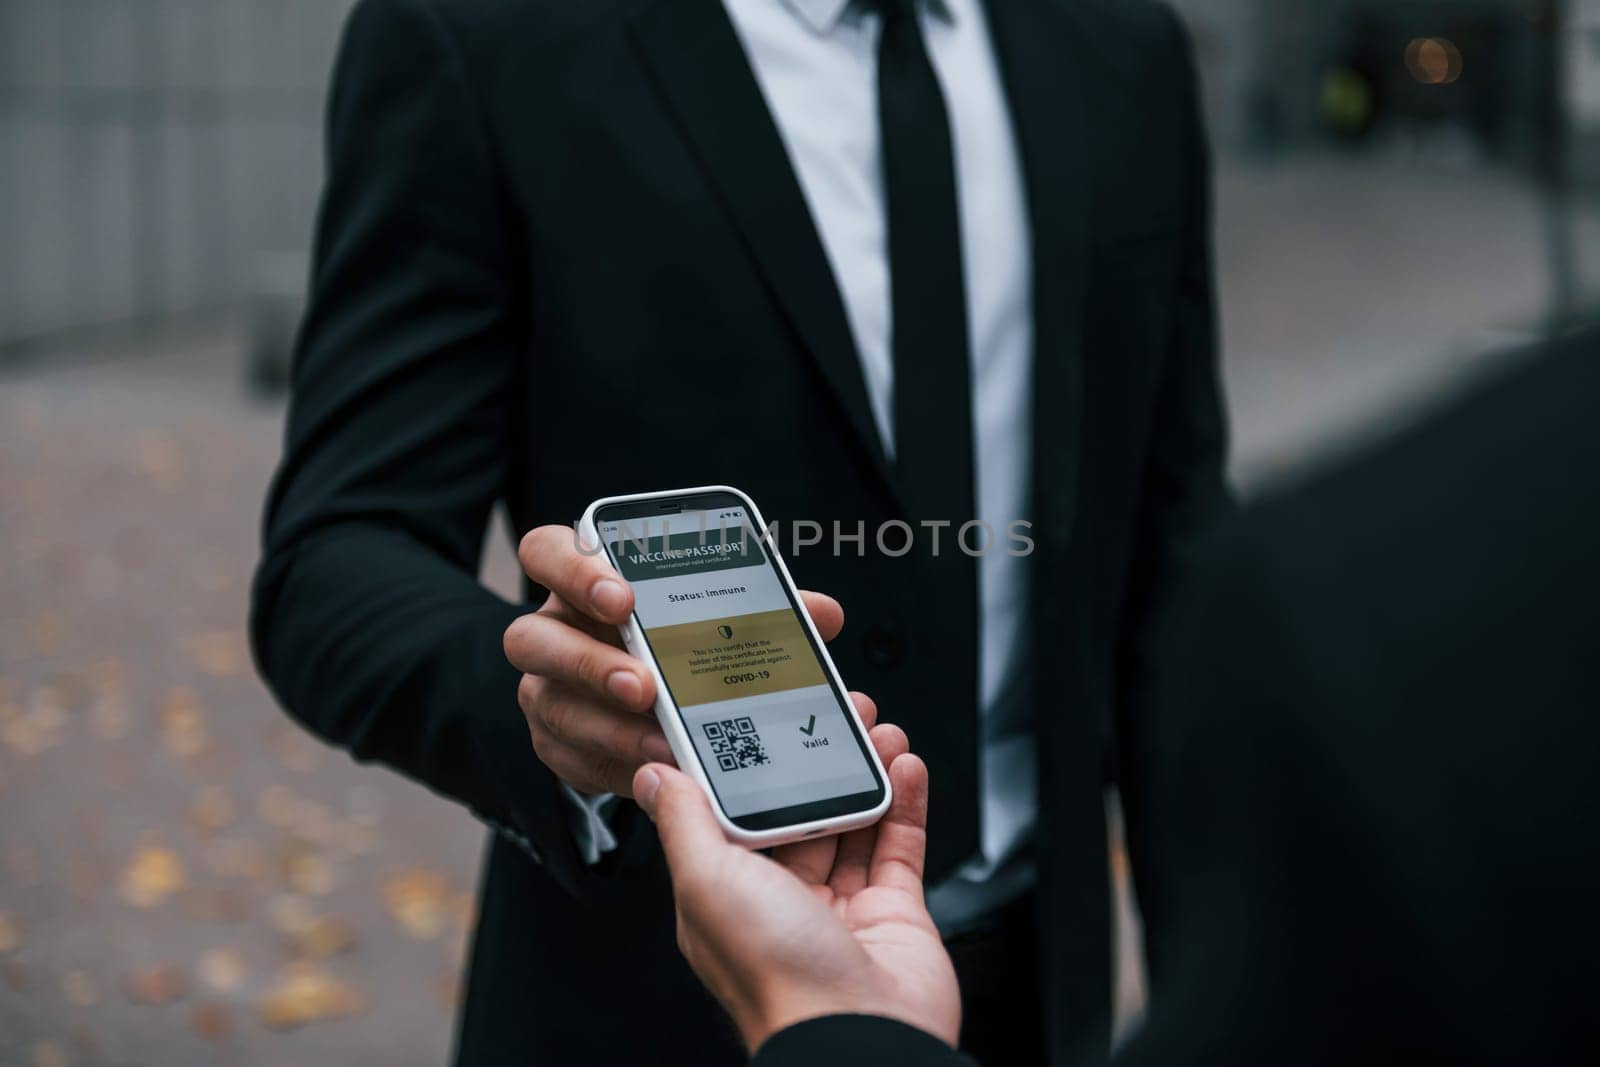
1036 54
703 74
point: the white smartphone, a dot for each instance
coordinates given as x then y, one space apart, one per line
747 695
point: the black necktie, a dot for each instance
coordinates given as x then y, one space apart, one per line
932 410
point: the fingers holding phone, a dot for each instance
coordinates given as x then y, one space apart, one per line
587 701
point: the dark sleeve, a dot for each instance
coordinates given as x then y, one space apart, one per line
856 1041
367 618
1253 833
1183 494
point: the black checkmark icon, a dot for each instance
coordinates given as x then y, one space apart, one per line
809 728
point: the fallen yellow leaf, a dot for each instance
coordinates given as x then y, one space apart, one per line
321 938
308 872
417 899
306 994
219 653
211 809
161 984
183 723
211 1021
153 874
30 732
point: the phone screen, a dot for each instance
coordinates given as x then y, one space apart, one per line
768 723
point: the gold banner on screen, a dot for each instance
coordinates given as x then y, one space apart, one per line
736 656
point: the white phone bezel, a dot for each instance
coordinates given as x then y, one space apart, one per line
671 721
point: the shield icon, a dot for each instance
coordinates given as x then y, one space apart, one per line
725 631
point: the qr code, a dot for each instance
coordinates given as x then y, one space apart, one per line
735 744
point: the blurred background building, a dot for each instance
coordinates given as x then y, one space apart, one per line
157 157
160 157
1402 187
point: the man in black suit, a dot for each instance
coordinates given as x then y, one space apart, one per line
897 261
1373 814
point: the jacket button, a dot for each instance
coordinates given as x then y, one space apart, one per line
884 646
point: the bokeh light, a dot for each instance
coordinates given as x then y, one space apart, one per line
1433 60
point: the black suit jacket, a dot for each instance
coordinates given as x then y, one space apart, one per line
562 255
1375 814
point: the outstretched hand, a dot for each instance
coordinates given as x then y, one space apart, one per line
833 925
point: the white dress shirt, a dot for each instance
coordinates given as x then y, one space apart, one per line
816 63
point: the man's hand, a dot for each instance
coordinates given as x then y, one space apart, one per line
830 926
587 701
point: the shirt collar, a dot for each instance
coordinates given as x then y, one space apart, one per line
823 15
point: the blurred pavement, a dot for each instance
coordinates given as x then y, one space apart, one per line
1355 289
186 877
